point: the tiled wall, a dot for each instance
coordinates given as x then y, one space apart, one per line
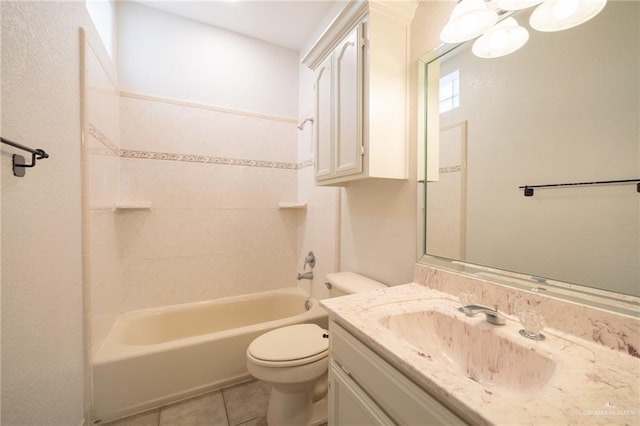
103 276
214 180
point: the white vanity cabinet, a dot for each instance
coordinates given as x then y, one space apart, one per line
361 85
364 389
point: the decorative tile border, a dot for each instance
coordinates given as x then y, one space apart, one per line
451 169
306 163
103 139
190 158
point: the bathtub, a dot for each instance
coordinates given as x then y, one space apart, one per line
156 356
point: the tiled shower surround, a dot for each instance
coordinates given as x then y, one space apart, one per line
214 179
208 218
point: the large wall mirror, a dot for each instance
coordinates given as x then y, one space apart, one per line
563 109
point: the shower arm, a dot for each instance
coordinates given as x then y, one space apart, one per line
308 119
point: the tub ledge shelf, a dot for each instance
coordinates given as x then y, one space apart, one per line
132 205
292 205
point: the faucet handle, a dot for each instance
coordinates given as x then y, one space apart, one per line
532 323
310 260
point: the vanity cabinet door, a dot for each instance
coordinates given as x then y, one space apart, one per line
395 394
349 404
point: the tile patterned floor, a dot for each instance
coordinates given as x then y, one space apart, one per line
244 404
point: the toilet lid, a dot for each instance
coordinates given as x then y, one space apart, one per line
290 343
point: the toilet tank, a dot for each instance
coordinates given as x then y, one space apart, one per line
343 283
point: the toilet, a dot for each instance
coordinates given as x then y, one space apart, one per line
295 360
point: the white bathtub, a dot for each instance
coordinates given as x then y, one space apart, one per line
156 356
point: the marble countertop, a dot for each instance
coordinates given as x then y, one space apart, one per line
590 384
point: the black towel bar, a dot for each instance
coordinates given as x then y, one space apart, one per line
19 164
528 189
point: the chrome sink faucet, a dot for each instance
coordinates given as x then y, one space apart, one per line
493 316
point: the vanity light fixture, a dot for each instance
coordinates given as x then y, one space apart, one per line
516 4
504 38
469 19
558 15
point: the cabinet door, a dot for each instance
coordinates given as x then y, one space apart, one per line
396 395
323 128
348 82
350 405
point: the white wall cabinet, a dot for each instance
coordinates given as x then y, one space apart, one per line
360 66
338 139
366 389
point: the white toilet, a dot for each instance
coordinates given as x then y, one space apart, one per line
295 361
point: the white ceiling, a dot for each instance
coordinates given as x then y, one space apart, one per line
287 23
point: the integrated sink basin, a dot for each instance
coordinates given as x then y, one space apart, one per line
490 374
482 352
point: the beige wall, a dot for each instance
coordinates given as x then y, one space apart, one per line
175 57
42 333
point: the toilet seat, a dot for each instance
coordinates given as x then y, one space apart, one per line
290 346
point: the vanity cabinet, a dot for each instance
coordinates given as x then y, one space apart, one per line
366 389
361 85
350 405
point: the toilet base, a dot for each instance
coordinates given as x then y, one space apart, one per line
320 412
296 409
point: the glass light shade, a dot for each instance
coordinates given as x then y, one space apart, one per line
469 19
516 4
558 15
506 37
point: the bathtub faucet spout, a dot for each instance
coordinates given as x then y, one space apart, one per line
305 276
